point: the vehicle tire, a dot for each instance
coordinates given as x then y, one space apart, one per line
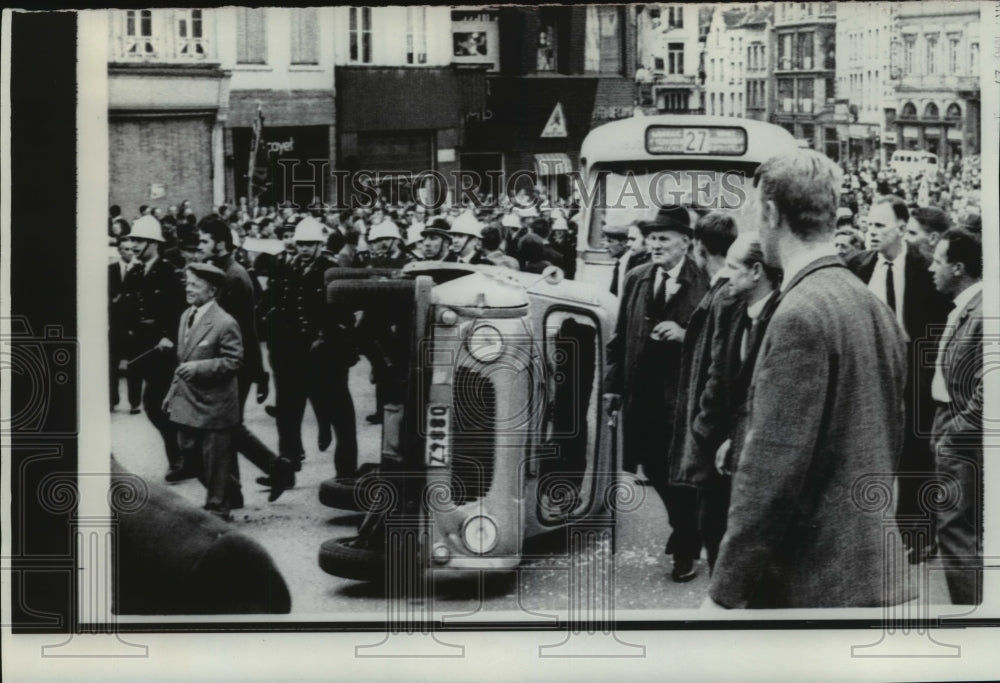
341 557
344 494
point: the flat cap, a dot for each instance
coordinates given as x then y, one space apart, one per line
206 271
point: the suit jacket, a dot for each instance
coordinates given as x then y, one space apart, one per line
237 298
632 262
210 399
961 429
685 451
643 371
825 427
924 313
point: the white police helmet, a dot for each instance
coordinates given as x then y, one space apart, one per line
147 228
309 230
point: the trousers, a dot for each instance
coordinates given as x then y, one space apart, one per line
210 453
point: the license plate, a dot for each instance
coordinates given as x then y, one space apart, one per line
438 452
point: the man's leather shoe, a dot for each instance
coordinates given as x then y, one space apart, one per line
271 410
282 478
325 437
374 419
134 411
683 570
177 474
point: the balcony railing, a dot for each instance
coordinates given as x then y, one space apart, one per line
162 36
938 81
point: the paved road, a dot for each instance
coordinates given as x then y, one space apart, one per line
293 527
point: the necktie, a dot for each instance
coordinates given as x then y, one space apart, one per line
190 322
660 296
749 327
890 287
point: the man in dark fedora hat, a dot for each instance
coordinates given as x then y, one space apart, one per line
644 362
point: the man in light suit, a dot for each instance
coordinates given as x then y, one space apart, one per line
897 274
203 400
644 367
825 420
957 390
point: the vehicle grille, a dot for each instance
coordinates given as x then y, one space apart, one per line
473 435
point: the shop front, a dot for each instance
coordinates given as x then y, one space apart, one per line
293 161
397 126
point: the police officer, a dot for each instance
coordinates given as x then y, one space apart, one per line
277 269
157 291
387 246
311 357
436 240
466 232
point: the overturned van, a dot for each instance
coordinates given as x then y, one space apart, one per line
494 425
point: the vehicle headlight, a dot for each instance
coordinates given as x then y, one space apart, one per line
479 534
447 316
485 343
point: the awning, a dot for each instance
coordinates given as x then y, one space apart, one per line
553 163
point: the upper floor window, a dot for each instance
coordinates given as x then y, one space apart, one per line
675 58
675 17
602 48
360 34
251 36
931 60
909 51
953 63
305 36
416 35
804 53
139 32
974 59
190 33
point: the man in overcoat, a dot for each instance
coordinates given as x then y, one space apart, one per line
644 363
203 400
808 525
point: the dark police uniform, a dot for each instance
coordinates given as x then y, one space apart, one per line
158 301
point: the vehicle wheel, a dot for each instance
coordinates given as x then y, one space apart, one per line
350 559
347 494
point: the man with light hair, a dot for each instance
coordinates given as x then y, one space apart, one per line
825 418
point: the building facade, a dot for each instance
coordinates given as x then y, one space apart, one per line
937 59
168 100
560 71
669 52
803 63
282 66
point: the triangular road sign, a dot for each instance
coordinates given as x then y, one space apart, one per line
556 127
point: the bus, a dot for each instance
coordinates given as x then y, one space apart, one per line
631 167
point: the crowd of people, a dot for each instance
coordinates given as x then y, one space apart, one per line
280 298
762 377
768 379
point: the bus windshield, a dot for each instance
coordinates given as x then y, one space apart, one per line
623 194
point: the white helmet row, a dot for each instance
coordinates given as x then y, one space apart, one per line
309 230
385 230
147 228
467 224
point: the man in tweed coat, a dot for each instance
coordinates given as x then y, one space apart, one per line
826 417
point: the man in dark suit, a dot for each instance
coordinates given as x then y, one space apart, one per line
825 425
898 275
957 389
237 298
644 362
626 245
718 419
157 293
714 233
203 400
119 332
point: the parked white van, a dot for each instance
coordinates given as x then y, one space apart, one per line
907 162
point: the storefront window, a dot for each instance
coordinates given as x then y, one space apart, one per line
416 35
251 36
305 36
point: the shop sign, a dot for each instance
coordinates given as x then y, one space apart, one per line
157 191
910 132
